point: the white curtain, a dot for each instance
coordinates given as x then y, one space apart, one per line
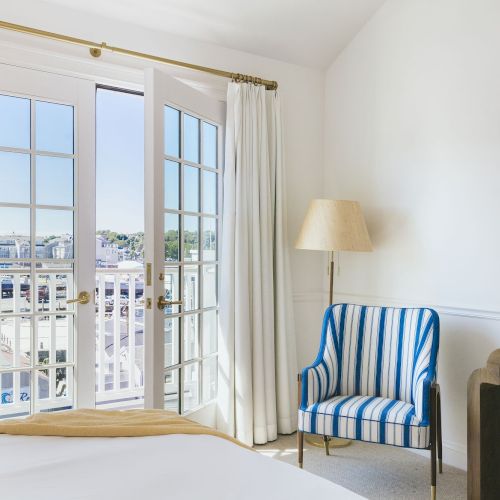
257 357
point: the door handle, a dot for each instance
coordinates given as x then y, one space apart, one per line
83 298
161 303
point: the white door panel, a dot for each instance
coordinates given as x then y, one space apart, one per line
183 162
46 240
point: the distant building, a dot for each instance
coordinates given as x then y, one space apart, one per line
106 253
18 247
57 248
14 247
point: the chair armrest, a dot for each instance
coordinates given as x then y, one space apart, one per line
422 398
318 381
310 388
425 368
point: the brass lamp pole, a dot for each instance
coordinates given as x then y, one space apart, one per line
333 226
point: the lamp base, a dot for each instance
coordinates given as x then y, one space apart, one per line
315 440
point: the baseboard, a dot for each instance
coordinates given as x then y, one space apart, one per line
454 454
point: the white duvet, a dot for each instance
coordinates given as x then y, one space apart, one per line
173 467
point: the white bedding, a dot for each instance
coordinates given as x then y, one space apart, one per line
177 467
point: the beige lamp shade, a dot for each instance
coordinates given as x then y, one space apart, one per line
334 225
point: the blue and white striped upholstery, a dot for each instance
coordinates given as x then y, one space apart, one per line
372 377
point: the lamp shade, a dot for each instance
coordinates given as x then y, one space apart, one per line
334 225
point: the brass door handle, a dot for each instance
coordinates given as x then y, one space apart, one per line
83 298
161 303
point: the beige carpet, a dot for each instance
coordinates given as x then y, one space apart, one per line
374 471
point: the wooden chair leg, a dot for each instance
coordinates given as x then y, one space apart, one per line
433 441
439 434
300 448
326 440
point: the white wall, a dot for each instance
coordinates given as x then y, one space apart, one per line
302 91
412 130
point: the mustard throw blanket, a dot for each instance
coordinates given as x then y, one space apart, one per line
105 423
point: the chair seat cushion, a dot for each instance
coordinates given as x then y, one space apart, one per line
366 418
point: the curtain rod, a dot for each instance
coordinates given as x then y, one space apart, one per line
97 48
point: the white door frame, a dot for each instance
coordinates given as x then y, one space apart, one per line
79 93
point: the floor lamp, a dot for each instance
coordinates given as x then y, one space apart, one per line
333 226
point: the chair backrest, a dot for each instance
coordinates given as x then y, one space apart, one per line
381 351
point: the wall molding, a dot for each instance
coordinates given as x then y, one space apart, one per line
314 296
464 312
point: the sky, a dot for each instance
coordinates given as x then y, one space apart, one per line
119 161
54 175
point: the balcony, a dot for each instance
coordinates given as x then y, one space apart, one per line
119 321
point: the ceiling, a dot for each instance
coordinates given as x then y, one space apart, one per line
306 32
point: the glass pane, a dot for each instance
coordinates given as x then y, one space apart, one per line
209 192
171 288
209 332
53 291
15 393
54 340
15 128
171 341
191 139
209 285
172 132
54 234
54 389
15 175
15 335
191 238
171 237
209 379
172 390
14 265
209 145
54 181
15 293
119 178
191 189
64 339
53 127
209 239
191 386
191 287
191 336
172 185
14 233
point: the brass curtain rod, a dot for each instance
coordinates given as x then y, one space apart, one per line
97 48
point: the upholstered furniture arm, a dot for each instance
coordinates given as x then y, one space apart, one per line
425 370
319 380
421 398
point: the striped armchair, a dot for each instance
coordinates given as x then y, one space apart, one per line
374 380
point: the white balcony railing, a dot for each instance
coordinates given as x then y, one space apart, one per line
119 341
119 336
119 348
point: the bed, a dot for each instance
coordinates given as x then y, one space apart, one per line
173 466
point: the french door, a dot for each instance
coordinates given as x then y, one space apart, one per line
46 241
64 313
183 161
